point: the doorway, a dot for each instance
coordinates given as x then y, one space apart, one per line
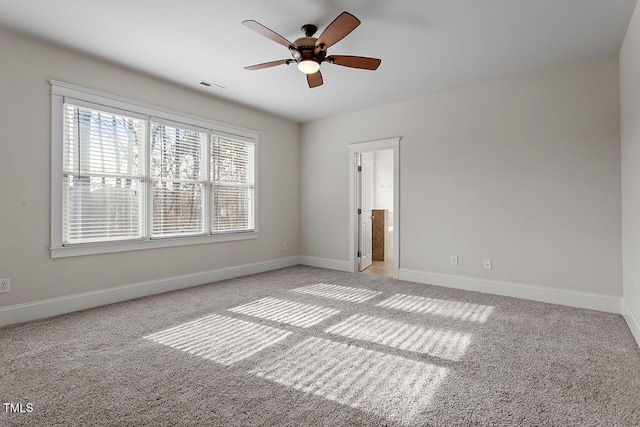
374 194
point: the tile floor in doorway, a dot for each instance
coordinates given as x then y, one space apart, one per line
382 268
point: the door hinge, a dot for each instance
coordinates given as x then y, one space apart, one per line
359 168
359 254
359 211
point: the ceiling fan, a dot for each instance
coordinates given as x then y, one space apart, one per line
309 52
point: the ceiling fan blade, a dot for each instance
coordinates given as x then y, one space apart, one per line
359 62
314 79
268 33
267 64
337 30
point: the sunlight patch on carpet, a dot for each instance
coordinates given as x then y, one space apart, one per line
392 387
219 338
344 293
289 312
456 309
440 343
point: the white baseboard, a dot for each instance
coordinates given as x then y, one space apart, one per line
331 264
55 306
632 321
591 301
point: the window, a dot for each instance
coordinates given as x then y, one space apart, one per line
232 184
131 176
103 176
178 180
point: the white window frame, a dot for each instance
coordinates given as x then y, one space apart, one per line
76 94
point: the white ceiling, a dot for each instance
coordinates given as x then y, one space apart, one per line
426 46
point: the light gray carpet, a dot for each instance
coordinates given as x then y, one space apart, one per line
341 350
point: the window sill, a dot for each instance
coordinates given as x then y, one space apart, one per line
105 248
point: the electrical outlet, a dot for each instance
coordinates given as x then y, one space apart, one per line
284 246
454 259
487 264
5 285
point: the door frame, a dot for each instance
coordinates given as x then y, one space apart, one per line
362 147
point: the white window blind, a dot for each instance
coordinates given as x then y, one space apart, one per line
178 172
129 176
232 181
103 182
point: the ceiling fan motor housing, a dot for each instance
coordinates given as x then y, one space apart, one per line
305 42
306 46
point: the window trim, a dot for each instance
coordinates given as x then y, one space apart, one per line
73 93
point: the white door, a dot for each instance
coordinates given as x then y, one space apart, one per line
366 195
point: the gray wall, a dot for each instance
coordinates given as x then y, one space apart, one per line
25 157
383 180
630 136
525 171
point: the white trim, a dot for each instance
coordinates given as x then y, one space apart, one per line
114 101
62 92
587 300
107 248
355 149
57 161
632 321
331 264
396 209
256 188
381 144
55 306
102 107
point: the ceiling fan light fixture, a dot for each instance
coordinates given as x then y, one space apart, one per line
308 66
309 52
